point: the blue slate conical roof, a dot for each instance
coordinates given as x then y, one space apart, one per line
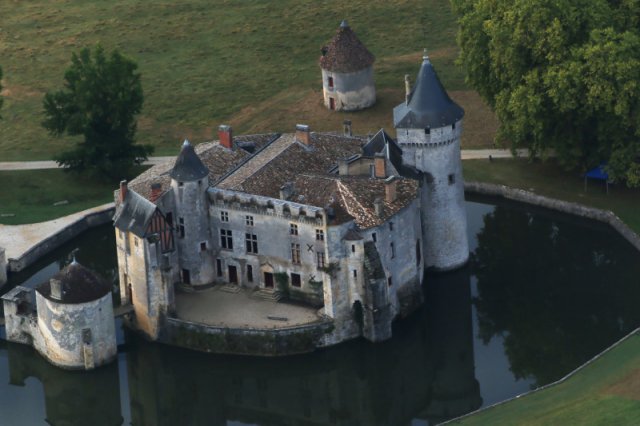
429 104
188 165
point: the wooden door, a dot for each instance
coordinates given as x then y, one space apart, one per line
268 280
233 274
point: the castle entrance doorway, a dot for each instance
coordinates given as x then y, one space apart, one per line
268 280
233 274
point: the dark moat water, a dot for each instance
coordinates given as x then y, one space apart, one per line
542 294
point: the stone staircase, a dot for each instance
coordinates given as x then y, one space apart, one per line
230 288
267 294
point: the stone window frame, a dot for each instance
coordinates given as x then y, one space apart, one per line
320 259
393 250
293 229
319 234
251 243
224 216
295 253
248 220
296 280
226 239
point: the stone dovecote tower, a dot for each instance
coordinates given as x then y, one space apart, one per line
428 126
347 72
189 182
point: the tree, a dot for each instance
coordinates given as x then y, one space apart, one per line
100 101
561 75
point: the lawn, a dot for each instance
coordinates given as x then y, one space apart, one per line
606 392
250 63
28 196
546 178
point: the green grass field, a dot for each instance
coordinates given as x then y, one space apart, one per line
545 178
250 63
29 195
606 392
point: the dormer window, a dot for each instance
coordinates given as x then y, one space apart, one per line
427 131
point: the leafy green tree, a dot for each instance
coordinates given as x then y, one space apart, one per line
561 75
100 101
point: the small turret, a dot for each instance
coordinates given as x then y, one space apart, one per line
190 181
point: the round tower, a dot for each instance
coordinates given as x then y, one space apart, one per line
75 319
190 181
428 127
347 72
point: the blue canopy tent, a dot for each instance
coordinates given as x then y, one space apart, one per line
597 173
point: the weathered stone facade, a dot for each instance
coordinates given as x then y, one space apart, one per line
342 224
69 320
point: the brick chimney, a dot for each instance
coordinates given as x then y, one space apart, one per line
380 165
390 189
123 190
156 191
303 134
56 289
225 136
346 126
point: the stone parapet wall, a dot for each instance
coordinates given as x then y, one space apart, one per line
245 341
68 232
523 196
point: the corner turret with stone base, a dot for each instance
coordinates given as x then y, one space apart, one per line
189 183
428 126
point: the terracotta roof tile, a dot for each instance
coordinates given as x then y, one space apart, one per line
345 52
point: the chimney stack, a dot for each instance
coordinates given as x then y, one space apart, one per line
302 134
343 167
225 136
123 190
286 190
390 189
56 288
156 191
378 206
407 88
347 128
380 165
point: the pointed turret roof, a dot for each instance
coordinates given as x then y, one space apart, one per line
428 105
345 52
188 165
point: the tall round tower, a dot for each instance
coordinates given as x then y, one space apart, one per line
190 181
428 127
347 72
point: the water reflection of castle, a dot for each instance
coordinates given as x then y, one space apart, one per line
426 371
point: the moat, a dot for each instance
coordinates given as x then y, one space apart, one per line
542 294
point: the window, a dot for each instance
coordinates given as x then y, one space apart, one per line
226 239
374 237
452 179
135 241
293 229
427 131
319 235
181 227
295 253
389 282
203 246
355 273
251 242
418 253
224 216
353 248
331 82
219 267
390 226
169 218
453 126
250 273
181 184
393 250
320 259
296 281
248 220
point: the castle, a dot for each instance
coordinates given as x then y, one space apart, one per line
343 225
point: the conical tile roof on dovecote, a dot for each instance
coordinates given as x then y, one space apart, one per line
188 165
345 53
429 105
